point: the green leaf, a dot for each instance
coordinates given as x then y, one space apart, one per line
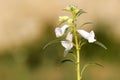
70 52
51 42
83 43
100 44
98 64
60 23
81 11
86 24
74 56
87 65
67 60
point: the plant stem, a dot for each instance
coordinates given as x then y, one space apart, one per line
77 52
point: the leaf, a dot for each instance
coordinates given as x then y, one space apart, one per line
67 60
101 44
72 54
98 64
81 11
51 42
83 43
86 23
87 65
60 23
83 69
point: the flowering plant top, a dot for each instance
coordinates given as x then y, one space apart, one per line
73 37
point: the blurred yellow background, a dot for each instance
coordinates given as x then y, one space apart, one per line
27 25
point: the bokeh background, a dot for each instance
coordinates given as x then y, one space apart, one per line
27 25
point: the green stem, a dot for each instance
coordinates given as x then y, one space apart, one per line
77 52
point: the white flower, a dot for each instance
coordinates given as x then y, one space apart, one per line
60 31
67 44
69 37
90 36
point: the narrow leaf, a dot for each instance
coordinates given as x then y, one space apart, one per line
87 65
60 23
101 44
83 43
67 60
74 56
51 42
98 64
86 23
84 68
80 12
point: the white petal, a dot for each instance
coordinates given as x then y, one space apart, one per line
67 44
91 40
66 52
83 33
58 32
89 36
69 37
92 34
63 28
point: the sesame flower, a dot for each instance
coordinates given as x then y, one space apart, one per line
60 31
90 36
67 44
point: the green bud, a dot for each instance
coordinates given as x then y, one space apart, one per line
68 8
63 18
70 21
76 11
73 8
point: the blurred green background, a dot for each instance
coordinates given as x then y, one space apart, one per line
26 26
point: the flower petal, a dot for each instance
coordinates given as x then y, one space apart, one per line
83 33
91 40
66 52
69 37
58 32
63 28
67 44
92 34
89 36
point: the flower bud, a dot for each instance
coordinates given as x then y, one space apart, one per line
63 18
68 9
70 21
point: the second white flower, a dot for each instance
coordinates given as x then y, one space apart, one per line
90 36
